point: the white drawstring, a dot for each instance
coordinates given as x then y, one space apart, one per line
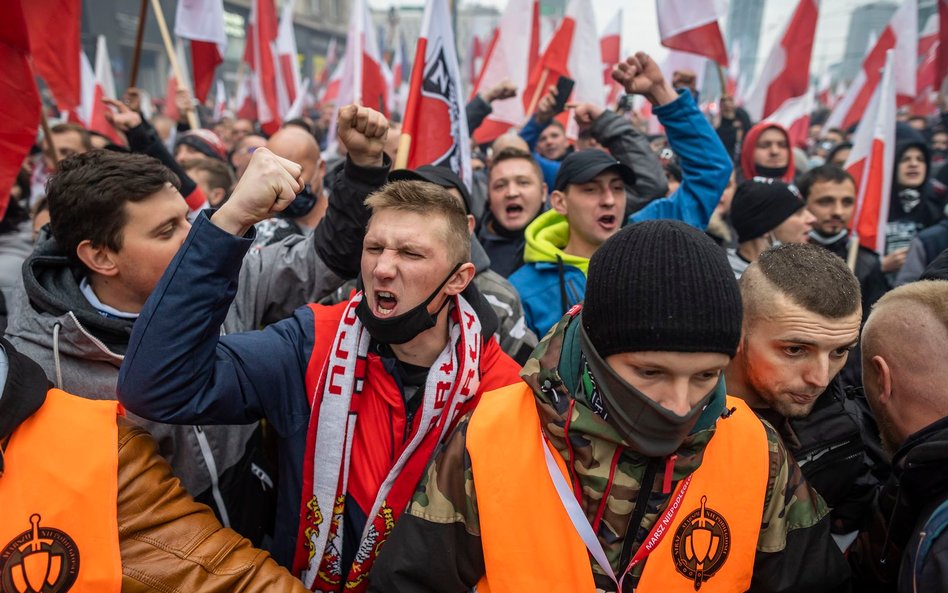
59 370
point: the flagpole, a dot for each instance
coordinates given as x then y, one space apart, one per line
173 58
49 149
721 79
139 36
537 93
853 253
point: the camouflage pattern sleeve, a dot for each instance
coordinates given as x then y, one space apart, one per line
445 493
790 502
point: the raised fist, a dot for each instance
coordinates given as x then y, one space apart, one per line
640 74
268 186
362 131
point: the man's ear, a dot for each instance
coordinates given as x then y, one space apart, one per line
216 197
470 224
460 279
99 260
558 202
883 376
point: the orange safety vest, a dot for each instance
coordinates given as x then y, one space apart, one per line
530 544
58 499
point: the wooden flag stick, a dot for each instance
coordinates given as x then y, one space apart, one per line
173 58
48 147
721 79
538 92
139 36
853 252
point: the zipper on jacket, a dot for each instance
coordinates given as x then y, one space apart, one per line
208 455
638 515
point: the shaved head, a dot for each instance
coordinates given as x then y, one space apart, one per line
298 145
904 369
510 140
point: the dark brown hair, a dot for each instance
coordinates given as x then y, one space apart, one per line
810 276
511 153
88 192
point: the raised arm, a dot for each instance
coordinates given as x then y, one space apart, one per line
705 165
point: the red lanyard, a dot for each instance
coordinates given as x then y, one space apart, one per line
585 530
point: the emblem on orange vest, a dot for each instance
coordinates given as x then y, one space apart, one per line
39 560
701 544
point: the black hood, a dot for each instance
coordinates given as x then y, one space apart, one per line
51 281
23 393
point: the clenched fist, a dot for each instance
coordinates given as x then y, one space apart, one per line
640 74
267 187
363 132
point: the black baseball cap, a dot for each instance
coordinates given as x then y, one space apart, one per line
584 165
437 175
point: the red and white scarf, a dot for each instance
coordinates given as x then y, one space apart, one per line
449 392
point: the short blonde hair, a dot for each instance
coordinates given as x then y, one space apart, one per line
930 294
426 199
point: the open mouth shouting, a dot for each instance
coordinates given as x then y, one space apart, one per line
385 303
608 222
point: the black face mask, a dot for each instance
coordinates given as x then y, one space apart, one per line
771 172
405 327
302 205
645 425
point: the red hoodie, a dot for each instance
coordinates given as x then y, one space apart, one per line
748 167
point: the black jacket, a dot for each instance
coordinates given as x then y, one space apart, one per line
887 555
837 452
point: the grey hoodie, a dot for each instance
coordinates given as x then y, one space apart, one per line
81 350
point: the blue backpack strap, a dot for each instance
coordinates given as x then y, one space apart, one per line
931 530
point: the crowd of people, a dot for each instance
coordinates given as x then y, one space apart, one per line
618 362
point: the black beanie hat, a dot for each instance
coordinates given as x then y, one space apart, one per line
661 285
761 204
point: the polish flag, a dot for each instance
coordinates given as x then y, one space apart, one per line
509 56
610 45
104 88
435 128
734 72
399 66
20 116
289 72
929 46
824 90
82 114
244 103
786 73
901 35
330 64
262 35
872 160
302 100
53 28
220 101
794 116
362 80
692 26
202 22
571 51
330 92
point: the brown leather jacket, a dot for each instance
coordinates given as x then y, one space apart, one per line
170 543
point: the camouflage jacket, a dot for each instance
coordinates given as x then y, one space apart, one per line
436 545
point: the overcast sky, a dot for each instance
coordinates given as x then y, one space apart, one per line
641 26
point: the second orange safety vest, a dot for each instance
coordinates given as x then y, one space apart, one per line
58 500
530 543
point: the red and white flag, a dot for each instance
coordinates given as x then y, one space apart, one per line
929 47
220 101
19 96
824 89
901 35
509 56
53 27
610 46
329 66
734 73
202 22
571 51
872 160
786 73
794 116
289 72
434 131
362 79
692 26
303 100
244 104
261 37
104 88
171 94
330 91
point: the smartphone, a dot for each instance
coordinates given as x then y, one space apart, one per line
564 88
